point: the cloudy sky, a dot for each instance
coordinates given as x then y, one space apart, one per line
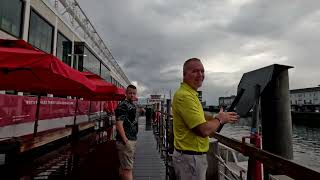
151 39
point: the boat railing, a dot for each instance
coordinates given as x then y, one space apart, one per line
71 12
276 165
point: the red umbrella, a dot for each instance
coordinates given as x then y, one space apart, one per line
103 88
31 70
105 91
24 68
120 95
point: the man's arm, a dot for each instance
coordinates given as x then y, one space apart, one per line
208 116
212 124
119 126
120 113
207 128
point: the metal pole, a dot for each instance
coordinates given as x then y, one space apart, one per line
254 167
276 117
75 112
35 129
161 128
89 111
169 146
75 127
170 128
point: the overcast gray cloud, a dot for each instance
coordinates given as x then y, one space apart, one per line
152 39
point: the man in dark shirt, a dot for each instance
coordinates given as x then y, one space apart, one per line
127 130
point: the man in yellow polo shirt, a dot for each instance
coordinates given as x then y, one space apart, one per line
191 126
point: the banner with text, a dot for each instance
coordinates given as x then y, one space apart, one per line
20 109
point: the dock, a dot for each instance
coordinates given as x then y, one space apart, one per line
148 164
103 162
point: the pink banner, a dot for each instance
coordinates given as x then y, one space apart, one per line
20 109
16 109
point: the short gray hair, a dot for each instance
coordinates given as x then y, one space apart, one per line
187 62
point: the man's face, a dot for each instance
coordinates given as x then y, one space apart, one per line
194 74
131 94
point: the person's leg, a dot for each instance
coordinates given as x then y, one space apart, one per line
189 167
126 157
125 174
201 164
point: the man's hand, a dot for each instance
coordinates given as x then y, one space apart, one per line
125 141
227 117
142 110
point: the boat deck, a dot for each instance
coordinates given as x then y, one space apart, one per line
103 163
148 164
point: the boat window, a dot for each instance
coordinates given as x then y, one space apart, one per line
105 73
64 47
90 62
40 33
10 16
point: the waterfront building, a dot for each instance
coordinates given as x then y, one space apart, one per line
61 28
226 101
305 96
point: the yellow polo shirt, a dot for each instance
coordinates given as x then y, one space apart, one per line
187 114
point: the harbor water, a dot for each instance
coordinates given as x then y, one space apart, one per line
306 141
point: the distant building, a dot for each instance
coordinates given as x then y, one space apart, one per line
203 103
200 95
305 96
155 98
226 101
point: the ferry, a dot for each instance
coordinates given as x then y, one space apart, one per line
60 28
33 124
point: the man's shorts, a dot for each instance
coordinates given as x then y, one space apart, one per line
126 154
189 167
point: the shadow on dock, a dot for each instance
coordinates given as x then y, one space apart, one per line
102 163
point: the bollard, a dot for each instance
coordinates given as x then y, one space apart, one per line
276 117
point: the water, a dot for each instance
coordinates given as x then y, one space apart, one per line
306 142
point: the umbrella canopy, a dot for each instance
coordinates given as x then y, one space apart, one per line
117 96
121 94
105 91
103 88
24 68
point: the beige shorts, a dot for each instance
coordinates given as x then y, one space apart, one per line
189 167
126 154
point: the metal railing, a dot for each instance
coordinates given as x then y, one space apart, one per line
75 17
276 164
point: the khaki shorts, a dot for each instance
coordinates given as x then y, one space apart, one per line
126 154
189 167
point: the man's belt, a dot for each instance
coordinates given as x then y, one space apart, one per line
190 152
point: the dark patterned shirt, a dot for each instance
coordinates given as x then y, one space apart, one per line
126 112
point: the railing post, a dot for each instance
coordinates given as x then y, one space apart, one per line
254 166
213 162
161 134
169 124
36 122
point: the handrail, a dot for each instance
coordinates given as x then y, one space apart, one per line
275 163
